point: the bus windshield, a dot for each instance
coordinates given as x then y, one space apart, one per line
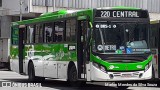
120 38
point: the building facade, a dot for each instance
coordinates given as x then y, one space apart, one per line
10 9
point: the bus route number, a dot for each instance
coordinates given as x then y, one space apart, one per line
105 14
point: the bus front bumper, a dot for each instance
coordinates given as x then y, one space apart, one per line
98 75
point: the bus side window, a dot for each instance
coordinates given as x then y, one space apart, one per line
154 36
39 33
14 35
48 30
59 31
30 34
71 30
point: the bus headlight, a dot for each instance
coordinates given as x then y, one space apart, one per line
102 68
148 66
96 65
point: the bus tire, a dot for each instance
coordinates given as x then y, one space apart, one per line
31 74
73 77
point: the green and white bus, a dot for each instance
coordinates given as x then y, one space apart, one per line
101 44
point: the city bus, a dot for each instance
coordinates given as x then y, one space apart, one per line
100 44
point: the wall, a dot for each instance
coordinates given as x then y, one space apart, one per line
5 26
13 6
152 5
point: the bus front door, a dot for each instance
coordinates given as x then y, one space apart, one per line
81 47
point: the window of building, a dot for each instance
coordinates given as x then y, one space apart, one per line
63 3
42 2
49 3
39 2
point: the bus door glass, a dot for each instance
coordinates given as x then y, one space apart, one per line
81 44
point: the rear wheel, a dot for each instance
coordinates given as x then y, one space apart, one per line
31 74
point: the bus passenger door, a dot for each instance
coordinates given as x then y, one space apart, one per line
155 46
81 50
21 48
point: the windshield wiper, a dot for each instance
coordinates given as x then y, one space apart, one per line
102 39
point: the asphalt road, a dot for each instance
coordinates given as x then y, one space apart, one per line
18 82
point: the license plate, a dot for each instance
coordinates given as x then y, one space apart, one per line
127 75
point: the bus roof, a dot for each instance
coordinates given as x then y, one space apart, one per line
53 16
120 8
67 13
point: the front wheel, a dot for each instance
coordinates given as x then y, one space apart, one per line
31 74
73 77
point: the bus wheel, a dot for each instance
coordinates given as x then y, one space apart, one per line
31 74
73 77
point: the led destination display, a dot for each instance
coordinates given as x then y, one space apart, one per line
121 14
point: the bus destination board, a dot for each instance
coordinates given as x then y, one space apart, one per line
121 13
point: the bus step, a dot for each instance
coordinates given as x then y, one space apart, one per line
82 79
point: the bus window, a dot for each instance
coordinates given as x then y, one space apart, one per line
39 33
154 36
14 35
59 31
48 32
30 34
70 30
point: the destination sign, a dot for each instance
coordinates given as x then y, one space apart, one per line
121 13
